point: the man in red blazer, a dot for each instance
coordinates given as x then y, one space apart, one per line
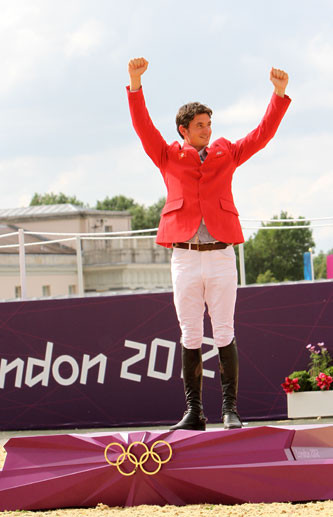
200 221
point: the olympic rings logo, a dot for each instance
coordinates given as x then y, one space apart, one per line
138 462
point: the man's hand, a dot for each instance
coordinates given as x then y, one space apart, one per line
279 79
136 67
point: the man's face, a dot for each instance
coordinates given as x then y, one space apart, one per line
198 132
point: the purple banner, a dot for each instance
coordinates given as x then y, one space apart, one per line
115 361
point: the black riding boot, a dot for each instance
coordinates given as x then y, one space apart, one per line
192 372
229 379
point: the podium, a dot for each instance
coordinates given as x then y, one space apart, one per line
254 464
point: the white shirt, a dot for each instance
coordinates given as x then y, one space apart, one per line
202 235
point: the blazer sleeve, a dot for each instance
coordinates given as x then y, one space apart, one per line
244 148
151 139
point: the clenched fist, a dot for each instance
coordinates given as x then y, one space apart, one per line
279 79
136 67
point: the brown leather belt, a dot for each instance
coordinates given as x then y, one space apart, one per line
208 246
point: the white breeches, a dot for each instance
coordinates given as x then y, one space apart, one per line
200 277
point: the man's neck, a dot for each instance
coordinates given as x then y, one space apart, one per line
196 147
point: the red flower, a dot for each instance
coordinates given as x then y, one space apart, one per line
290 385
324 381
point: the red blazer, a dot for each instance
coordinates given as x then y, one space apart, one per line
196 189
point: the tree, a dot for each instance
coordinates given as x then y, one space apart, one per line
142 217
320 264
119 202
153 213
266 278
138 213
277 254
54 199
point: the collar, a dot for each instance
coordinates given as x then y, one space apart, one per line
203 153
188 147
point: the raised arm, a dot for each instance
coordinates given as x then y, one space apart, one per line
136 67
280 80
244 148
151 139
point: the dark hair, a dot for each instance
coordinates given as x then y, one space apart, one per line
187 113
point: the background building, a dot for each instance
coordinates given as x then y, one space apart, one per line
52 268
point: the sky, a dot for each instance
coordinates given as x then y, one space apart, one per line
64 120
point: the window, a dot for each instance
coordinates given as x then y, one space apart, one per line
72 289
46 290
18 291
108 242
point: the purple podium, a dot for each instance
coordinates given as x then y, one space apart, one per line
255 464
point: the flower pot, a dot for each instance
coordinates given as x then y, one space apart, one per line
305 404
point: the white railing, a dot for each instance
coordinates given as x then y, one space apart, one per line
66 237
134 234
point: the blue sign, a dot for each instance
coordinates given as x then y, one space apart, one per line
307 265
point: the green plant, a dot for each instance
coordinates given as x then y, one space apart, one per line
318 377
329 371
319 359
303 379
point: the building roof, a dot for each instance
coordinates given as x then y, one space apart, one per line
43 247
55 210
